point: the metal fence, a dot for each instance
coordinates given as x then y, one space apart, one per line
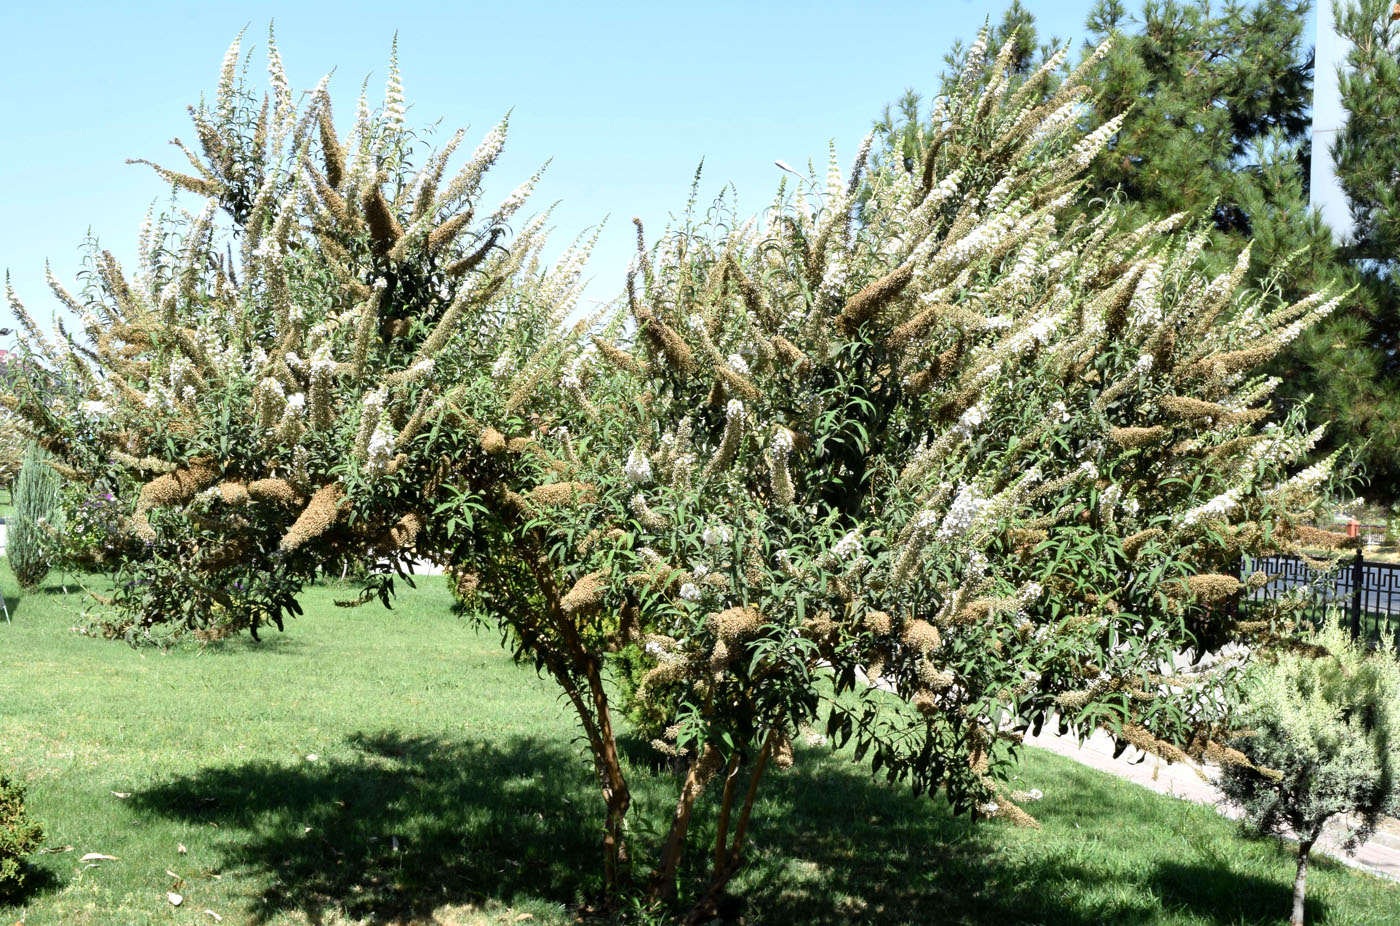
1366 593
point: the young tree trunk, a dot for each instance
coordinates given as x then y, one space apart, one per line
615 790
1300 883
605 762
593 710
729 852
663 879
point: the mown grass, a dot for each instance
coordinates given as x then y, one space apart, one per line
398 768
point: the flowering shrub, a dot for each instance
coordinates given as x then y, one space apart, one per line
96 525
12 446
266 393
933 455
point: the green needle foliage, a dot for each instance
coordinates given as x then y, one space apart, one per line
1370 85
1367 168
32 532
1215 101
19 836
1326 722
1205 85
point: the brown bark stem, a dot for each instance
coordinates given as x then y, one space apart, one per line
597 724
747 810
726 805
727 859
1300 882
663 879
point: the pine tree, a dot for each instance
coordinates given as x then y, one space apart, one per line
1368 171
1203 86
1368 168
36 508
1214 102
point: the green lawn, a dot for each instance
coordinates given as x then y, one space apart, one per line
397 768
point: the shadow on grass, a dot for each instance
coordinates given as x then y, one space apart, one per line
55 585
37 882
51 588
1206 890
411 824
837 847
270 641
12 600
408 825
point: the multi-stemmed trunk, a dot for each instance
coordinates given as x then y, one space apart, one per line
728 850
578 671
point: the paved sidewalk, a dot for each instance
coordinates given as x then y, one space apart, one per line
1380 855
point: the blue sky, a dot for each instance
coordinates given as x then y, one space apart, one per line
625 97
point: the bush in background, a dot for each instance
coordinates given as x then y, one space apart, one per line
1324 725
31 529
268 394
19 835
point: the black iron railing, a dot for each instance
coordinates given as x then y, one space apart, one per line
1365 592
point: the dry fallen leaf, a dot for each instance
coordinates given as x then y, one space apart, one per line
122 794
98 857
174 898
217 918
524 916
172 874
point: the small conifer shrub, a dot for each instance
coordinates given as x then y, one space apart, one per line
1324 724
19 836
32 530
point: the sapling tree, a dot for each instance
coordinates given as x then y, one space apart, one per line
970 457
268 391
1326 718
